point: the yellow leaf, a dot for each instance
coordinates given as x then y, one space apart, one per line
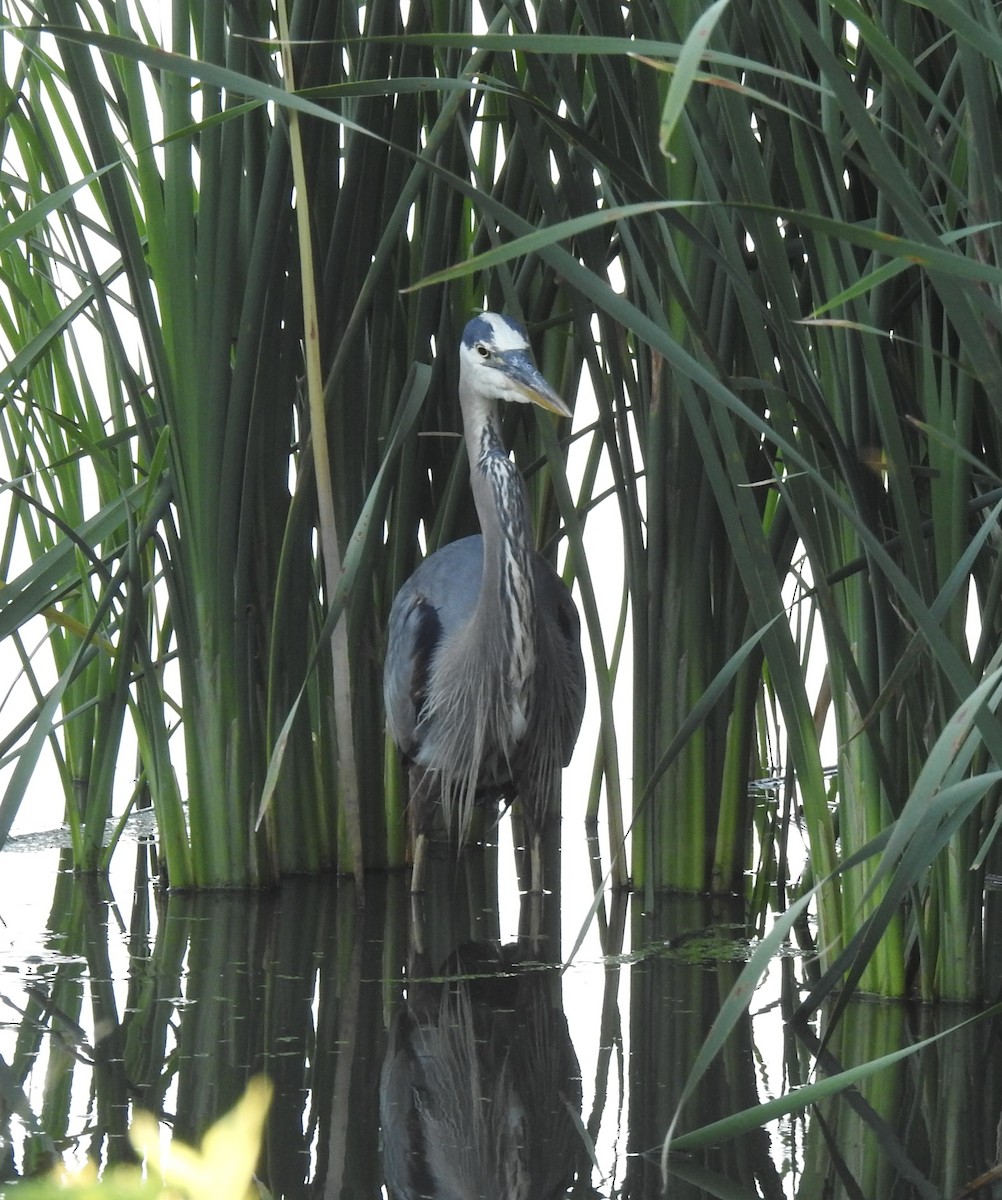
223 1167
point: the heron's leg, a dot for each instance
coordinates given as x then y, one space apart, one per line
418 864
541 814
536 862
419 815
534 924
417 930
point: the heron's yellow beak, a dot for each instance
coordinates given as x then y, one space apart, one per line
529 380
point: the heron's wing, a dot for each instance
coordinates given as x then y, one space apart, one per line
415 631
434 602
561 672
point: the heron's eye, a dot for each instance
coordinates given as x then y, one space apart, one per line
483 351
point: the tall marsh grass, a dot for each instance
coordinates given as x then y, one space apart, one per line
766 234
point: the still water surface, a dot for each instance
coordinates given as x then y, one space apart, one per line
441 1049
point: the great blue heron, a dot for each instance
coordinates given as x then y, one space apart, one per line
484 680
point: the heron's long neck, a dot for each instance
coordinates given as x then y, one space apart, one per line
506 606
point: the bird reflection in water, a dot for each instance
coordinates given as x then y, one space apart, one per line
480 1094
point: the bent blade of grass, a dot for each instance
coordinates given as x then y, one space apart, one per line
743 990
952 589
982 35
950 809
159 60
19 365
732 1010
811 1093
23 772
29 220
561 231
933 255
945 812
887 271
942 438
596 45
31 592
694 49
949 757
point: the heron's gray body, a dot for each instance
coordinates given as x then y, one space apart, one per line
433 622
484 680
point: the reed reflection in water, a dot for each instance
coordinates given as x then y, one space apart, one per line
394 1040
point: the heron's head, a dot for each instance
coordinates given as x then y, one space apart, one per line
496 363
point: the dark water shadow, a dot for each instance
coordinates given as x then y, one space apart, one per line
429 1049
